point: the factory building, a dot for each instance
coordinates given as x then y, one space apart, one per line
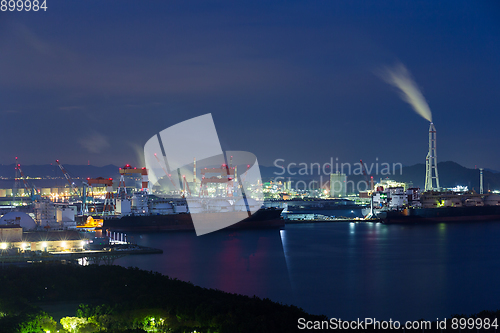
338 185
394 197
55 216
12 238
384 184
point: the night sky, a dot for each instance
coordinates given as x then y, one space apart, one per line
94 80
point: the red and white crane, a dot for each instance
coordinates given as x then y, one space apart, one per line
368 185
75 189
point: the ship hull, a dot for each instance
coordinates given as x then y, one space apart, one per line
264 218
443 214
337 207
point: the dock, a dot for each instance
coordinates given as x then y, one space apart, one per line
355 220
105 256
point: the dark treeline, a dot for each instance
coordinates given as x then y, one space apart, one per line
132 300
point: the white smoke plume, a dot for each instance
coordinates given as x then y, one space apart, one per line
400 77
95 142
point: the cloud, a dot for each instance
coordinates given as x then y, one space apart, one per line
70 108
95 142
31 39
143 105
32 60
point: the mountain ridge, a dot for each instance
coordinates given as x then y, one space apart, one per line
451 174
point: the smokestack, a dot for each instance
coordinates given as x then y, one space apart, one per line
480 180
431 171
194 171
145 180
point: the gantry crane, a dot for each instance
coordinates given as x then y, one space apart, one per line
109 203
121 192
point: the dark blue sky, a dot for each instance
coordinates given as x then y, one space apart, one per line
94 80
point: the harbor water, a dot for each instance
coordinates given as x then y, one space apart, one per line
343 270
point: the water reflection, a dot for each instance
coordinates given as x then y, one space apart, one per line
345 270
249 262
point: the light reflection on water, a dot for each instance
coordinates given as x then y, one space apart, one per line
343 270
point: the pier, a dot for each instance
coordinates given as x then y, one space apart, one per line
105 256
333 220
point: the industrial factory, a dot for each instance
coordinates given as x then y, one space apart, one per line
175 199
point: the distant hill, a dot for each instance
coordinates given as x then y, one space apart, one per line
77 172
450 174
50 170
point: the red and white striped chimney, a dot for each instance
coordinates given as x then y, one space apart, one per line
145 180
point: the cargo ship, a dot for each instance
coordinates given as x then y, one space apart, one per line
145 212
214 202
438 207
263 218
442 214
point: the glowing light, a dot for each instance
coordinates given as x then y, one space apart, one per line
83 243
24 246
3 246
44 245
63 244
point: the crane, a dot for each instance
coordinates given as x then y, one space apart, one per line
25 182
32 190
109 204
366 176
186 185
69 179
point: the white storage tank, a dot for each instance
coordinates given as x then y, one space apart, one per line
473 201
22 219
180 208
452 202
219 206
427 202
123 206
140 202
253 204
65 214
492 200
161 207
195 206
